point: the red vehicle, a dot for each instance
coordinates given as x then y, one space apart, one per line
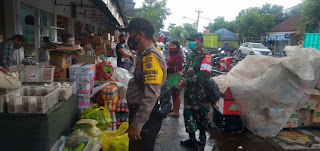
226 64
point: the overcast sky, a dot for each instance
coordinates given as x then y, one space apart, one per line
212 9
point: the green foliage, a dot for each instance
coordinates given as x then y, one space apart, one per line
219 23
156 12
311 16
249 24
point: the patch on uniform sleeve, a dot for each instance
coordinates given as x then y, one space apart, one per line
152 70
206 64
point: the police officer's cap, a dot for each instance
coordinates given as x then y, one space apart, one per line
140 24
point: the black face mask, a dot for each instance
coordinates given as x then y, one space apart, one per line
122 41
132 43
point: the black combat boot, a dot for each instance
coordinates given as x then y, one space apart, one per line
202 138
191 142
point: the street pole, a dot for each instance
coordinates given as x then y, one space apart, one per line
199 11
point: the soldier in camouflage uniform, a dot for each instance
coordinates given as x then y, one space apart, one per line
197 73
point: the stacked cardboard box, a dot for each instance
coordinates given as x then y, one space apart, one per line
62 61
85 73
310 112
293 121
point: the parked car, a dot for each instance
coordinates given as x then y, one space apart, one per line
249 48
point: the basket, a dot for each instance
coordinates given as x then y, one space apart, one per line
32 99
34 73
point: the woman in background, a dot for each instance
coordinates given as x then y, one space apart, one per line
175 62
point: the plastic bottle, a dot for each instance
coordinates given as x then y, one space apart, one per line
122 105
118 106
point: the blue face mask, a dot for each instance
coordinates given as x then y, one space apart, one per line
192 45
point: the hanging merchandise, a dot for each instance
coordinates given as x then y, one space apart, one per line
104 71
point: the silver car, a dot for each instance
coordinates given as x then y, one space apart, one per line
249 48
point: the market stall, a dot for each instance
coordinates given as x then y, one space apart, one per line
271 94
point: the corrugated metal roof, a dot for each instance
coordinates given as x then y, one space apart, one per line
290 24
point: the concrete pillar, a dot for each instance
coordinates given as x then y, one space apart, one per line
37 38
71 24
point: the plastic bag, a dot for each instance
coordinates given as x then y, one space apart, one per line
100 114
113 61
174 80
88 126
76 137
122 75
116 140
122 90
268 89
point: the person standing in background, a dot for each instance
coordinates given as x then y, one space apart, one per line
123 56
175 63
7 49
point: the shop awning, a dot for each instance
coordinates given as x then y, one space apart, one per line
115 10
279 37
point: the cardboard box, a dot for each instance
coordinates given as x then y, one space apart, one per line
86 59
84 73
61 72
84 99
85 87
293 121
311 102
228 107
97 38
304 118
315 116
60 59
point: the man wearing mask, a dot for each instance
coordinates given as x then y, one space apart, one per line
7 49
197 74
144 88
123 55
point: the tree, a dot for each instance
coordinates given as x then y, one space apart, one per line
171 26
156 12
176 33
311 16
275 10
190 29
249 24
267 22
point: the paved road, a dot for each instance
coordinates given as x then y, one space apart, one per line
173 131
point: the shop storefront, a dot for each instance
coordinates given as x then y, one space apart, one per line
36 19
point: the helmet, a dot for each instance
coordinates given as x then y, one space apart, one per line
226 43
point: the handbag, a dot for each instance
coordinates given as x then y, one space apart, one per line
163 106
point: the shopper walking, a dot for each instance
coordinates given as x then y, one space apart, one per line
7 49
175 67
123 56
145 87
196 97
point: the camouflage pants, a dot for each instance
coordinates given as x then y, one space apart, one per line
195 113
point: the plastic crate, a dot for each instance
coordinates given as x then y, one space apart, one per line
227 123
34 73
32 99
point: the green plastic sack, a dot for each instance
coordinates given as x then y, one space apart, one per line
100 114
116 140
173 80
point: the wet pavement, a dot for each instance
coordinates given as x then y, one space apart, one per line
173 131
